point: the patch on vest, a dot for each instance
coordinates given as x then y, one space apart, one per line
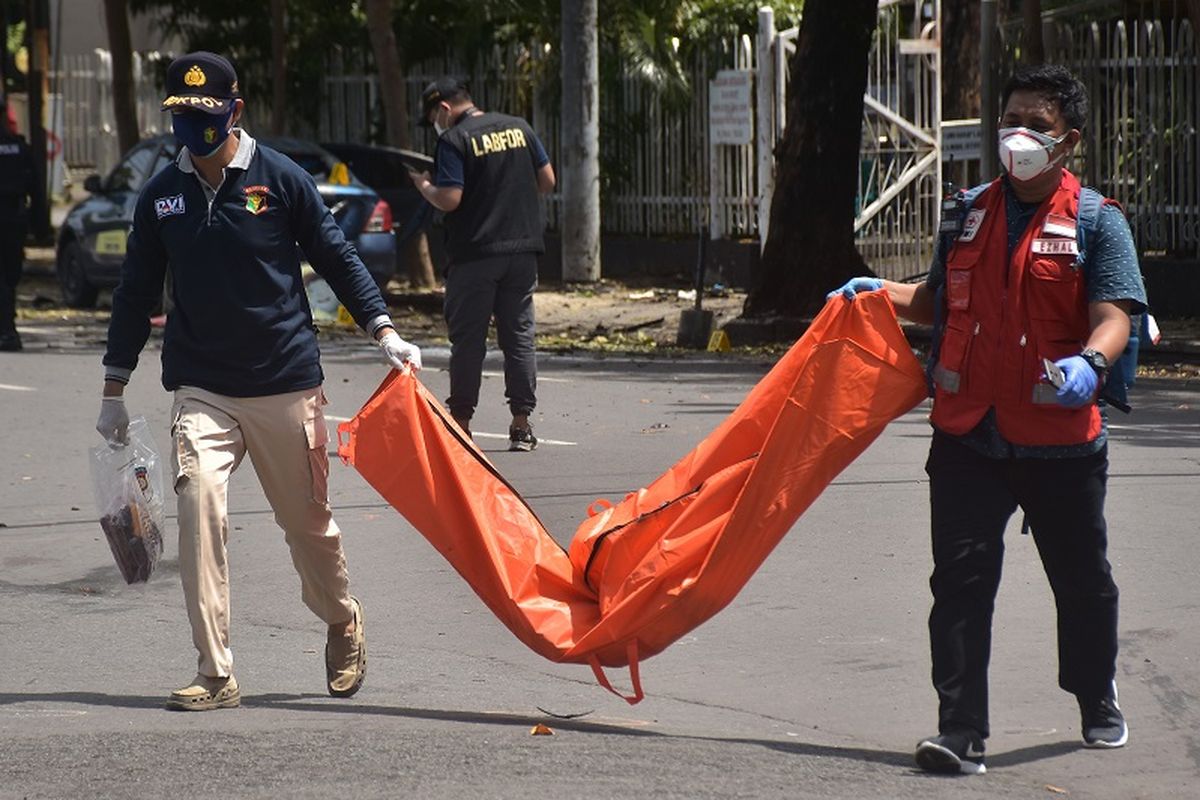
1058 226
971 224
1056 247
168 206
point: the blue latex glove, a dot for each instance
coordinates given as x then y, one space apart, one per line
1079 384
856 285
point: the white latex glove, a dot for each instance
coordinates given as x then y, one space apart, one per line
399 352
113 424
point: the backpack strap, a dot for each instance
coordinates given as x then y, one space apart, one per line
1087 220
965 199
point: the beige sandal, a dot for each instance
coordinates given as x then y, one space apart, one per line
205 694
346 657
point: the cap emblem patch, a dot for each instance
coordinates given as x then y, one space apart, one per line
195 77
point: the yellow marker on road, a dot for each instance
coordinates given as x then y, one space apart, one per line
718 342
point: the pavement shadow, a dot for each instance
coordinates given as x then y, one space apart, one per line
1039 752
320 703
83 698
305 702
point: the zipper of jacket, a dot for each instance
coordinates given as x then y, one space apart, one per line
213 199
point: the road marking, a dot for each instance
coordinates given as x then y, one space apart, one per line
541 378
43 712
541 441
10 387
1165 427
480 434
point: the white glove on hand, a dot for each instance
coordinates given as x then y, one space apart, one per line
113 424
399 352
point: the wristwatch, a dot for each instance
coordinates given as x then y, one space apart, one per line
1097 360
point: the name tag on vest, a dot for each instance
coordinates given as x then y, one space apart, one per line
1056 247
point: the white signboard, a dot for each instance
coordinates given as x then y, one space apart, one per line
961 138
730 114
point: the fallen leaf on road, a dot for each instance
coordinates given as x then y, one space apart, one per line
540 730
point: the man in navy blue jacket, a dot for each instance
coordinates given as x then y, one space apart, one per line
240 353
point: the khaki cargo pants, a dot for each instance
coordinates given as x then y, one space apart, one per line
286 438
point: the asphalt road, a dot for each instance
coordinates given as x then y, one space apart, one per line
812 684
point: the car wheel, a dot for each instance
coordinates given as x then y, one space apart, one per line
72 279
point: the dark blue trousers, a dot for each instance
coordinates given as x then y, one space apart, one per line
476 291
972 498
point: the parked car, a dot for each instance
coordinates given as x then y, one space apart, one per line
385 169
91 241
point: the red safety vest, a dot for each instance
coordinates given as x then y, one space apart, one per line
1003 318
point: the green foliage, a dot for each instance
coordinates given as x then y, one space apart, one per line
647 39
727 18
242 32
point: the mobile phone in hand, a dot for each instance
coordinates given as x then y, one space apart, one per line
1054 373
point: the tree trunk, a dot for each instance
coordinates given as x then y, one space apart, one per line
278 66
580 220
116 18
1034 51
392 88
394 93
810 249
960 60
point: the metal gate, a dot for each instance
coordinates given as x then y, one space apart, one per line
900 167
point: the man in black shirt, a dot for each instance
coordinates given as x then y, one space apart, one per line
16 184
489 170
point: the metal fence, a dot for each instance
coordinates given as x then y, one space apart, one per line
655 153
1142 143
88 134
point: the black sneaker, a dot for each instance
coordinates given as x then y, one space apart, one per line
10 342
521 440
952 753
1103 723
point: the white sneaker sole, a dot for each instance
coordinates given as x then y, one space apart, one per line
1102 744
935 758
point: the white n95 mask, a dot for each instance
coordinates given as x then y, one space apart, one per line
1025 153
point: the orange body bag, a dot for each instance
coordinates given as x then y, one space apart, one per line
642 573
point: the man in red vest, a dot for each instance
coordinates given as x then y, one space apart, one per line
1026 325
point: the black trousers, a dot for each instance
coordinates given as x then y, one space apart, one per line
500 286
12 261
972 498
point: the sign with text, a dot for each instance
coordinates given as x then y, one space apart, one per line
730 114
961 138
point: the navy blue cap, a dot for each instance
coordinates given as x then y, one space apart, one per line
201 81
437 91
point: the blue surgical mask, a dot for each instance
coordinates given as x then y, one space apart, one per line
201 133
